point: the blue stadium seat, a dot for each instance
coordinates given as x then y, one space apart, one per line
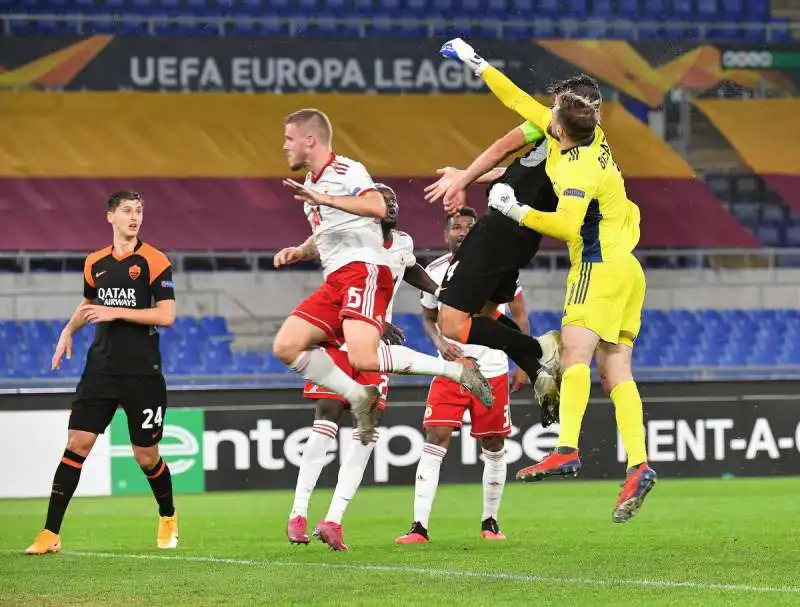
445 7
602 9
576 9
196 346
544 8
523 9
758 9
629 9
416 8
733 8
497 8
709 10
681 9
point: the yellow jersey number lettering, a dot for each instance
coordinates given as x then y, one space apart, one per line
605 156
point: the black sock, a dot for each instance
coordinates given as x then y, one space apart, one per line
505 320
522 349
161 483
65 482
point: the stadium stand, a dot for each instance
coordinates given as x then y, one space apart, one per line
202 345
625 19
765 139
213 163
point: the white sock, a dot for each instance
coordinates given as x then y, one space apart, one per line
351 472
427 481
323 438
494 479
318 367
405 361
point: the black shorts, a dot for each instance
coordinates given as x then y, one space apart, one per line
142 397
486 266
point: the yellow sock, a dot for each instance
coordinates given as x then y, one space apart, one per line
575 386
630 421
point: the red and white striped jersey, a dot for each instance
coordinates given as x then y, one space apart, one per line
342 237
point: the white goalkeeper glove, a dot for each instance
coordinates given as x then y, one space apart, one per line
458 49
503 200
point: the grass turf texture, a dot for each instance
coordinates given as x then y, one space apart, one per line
709 542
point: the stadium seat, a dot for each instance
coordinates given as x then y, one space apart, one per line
629 9
681 9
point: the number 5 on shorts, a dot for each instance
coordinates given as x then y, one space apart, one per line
150 419
354 299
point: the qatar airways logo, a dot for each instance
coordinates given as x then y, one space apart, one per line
116 297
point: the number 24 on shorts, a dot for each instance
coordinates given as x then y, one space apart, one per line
152 418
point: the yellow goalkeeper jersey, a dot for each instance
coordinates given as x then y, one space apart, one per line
594 215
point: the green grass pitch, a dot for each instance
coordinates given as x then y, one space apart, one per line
695 542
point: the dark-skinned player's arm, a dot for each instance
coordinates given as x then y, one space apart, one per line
418 278
519 314
430 317
503 88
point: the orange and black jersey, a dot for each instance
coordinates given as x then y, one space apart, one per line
137 280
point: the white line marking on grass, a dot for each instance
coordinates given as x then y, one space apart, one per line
486 575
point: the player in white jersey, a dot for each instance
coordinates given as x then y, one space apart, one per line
330 406
345 209
447 402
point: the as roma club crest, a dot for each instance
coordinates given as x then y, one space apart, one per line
134 272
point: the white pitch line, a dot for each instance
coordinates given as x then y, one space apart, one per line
487 575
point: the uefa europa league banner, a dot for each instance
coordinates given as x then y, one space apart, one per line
645 71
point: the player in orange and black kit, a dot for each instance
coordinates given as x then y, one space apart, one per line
128 293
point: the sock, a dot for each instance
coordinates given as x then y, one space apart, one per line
160 481
405 361
494 480
575 386
318 367
508 322
630 421
523 349
65 482
350 474
323 438
427 481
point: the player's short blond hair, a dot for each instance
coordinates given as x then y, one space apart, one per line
315 119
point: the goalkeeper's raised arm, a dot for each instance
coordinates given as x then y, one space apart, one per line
503 88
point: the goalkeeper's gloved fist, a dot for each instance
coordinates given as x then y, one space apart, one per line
503 200
458 49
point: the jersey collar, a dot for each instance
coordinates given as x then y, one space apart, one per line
315 178
579 145
135 249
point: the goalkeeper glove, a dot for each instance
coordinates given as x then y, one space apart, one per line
458 49
503 200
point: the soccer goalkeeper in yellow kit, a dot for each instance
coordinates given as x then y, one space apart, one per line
606 284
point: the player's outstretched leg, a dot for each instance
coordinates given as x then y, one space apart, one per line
579 348
321 440
65 481
426 484
351 474
405 361
494 480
